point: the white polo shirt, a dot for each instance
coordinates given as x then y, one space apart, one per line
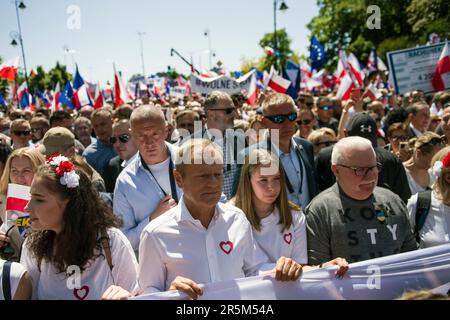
175 244
290 243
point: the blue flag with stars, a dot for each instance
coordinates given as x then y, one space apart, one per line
3 102
317 54
66 95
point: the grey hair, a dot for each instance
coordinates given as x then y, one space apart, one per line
198 151
341 149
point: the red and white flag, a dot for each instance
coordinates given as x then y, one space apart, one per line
55 101
349 65
17 197
269 51
8 69
82 96
252 91
443 68
278 83
99 101
120 92
372 92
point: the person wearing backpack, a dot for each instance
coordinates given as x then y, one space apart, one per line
15 284
75 251
429 210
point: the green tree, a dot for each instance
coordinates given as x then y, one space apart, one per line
283 47
58 74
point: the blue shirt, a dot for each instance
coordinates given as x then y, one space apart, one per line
296 175
136 195
98 154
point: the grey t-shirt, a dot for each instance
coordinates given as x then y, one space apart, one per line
338 226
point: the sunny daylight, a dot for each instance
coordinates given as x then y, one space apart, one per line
228 151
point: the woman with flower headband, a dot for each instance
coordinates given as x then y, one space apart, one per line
75 250
431 218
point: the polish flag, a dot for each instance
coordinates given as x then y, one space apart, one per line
345 88
17 197
278 84
349 65
443 68
82 97
99 101
372 92
306 69
120 92
252 91
8 69
55 101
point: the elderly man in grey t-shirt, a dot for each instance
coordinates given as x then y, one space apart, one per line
354 218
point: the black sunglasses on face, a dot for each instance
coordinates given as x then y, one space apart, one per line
124 138
326 143
280 118
22 133
304 122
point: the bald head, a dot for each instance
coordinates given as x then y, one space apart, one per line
147 113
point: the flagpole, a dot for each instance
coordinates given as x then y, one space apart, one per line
275 31
140 34
21 41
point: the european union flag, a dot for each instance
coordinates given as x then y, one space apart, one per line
3 102
78 81
66 95
317 54
292 72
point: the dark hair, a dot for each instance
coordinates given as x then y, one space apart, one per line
5 151
59 115
85 217
396 115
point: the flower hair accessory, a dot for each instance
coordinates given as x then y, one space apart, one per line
66 170
438 165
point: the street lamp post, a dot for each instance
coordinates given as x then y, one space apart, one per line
208 34
20 5
283 7
140 34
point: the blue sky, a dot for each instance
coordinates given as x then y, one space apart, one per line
108 32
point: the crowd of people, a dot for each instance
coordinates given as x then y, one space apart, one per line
172 193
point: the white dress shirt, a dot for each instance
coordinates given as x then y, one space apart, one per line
176 244
290 243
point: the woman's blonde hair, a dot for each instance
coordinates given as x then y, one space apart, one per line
441 187
36 158
423 142
244 195
315 135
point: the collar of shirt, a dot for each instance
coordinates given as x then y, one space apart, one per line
182 214
138 162
127 162
416 132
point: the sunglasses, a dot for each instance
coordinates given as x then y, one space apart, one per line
227 110
401 138
22 133
442 140
280 118
124 138
304 122
326 143
362 171
326 108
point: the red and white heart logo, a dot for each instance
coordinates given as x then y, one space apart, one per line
81 293
288 238
226 246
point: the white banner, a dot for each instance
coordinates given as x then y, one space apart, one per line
379 279
221 83
413 69
178 92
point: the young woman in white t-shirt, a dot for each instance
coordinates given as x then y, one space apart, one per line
19 282
436 227
75 251
278 224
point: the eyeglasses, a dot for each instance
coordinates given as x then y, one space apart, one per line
22 133
280 118
227 110
442 140
124 138
326 108
326 143
304 122
362 171
401 138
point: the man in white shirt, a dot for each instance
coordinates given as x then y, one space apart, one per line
201 240
146 188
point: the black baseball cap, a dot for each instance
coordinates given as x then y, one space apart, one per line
363 125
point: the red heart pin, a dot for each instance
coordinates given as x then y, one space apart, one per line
288 238
226 246
81 293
